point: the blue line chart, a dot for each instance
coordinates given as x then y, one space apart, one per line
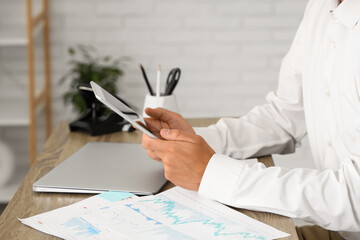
146 217
172 210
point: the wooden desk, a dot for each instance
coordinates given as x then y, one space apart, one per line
58 147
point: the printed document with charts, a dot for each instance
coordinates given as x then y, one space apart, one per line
173 214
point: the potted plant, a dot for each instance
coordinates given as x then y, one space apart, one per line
87 65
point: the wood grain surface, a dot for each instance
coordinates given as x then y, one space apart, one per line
60 146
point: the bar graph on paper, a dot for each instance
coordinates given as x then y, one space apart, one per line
81 226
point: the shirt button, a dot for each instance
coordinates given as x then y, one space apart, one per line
333 44
327 92
329 143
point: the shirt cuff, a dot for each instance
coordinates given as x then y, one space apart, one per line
211 136
220 178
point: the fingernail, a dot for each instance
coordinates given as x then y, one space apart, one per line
165 131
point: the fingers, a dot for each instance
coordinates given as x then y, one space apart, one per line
170 135
161 114
154 144
153 155
150 144
178 135
154 125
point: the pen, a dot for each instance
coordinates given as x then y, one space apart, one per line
146 80
158 82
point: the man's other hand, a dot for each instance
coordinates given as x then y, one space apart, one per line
184 156
161 118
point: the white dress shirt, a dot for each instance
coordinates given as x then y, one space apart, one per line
318 94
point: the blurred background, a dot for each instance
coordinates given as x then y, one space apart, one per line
229 52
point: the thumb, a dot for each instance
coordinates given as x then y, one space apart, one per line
160 113
177 135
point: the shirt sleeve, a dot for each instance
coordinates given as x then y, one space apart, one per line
326 198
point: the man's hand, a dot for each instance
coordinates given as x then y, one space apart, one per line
161 118
184 156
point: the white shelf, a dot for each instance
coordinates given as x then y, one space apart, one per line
13 113
13 37
16 38
15 41
8 191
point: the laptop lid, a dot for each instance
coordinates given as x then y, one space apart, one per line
100 166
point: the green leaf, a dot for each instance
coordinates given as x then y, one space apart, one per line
71 51
79 103
95 77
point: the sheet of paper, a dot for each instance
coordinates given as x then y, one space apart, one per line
68 222
181 214
173 214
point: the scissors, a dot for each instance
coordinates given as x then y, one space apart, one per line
172 80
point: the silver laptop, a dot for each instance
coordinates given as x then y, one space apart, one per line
99 166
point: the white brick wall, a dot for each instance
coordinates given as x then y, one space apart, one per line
227 49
